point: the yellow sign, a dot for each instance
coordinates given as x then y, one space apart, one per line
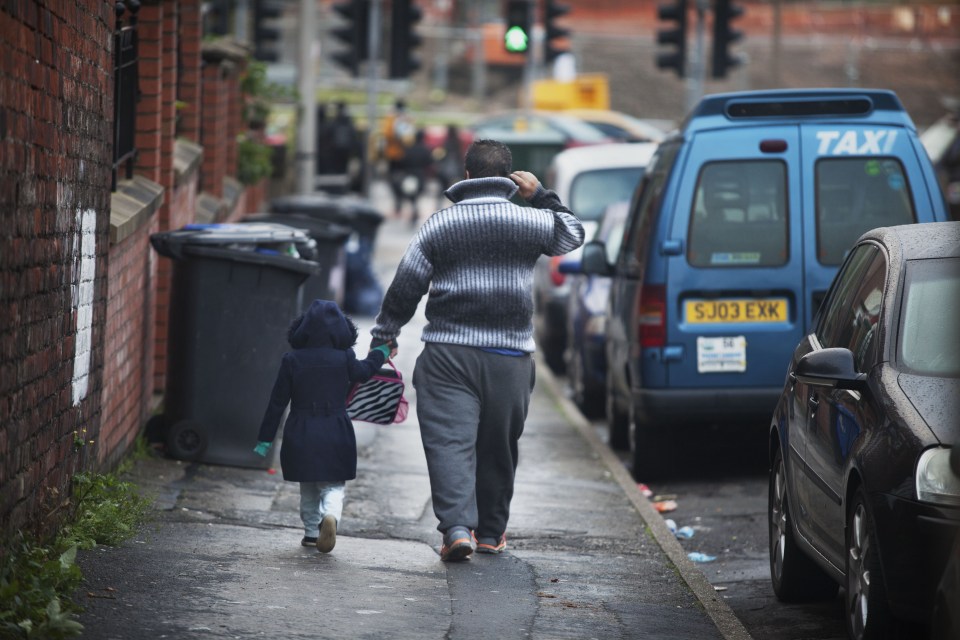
588 91
720 311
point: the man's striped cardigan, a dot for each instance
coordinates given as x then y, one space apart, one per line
476 259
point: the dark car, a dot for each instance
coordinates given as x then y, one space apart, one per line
861 493
585 354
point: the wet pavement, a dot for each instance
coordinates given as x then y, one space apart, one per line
588 555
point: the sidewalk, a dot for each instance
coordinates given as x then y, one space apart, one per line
588 555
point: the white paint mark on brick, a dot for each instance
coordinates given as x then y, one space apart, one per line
83 302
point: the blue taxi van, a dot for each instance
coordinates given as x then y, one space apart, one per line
734 235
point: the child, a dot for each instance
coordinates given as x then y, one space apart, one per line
319 447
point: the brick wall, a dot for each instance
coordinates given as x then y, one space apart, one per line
129 343
55 163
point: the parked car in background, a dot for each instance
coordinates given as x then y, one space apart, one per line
585 355
587 179
536 137
737 230
572 131
861 491
618 125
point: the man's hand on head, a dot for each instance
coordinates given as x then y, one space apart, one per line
527 182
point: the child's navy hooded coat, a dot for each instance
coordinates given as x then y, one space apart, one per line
318 439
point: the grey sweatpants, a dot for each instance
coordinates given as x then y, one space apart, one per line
472 405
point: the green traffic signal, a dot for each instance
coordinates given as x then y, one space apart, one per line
516 40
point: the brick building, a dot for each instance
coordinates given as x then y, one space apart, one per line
113 125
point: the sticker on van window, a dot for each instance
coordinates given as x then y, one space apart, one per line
745 257
721 354
856 142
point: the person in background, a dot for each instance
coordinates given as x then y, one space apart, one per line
448 159
399 132
473 379
319 447
343 139
413 172
324 148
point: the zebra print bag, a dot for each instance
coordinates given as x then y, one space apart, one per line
380 399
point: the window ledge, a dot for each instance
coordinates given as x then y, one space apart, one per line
187 156
131 205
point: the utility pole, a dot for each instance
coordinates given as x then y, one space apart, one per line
306 156
697 71
373 56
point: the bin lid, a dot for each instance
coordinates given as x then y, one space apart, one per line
238 232
263 258
340 208
260 237
320 205
318 228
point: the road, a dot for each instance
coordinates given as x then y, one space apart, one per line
722 495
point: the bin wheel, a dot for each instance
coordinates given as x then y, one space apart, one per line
156 428
186 441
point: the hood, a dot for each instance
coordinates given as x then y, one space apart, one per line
322 325
937 400
481 188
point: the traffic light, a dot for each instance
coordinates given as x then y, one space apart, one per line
403 39
551 32
676 37
265 35
516 37
353 33
725 12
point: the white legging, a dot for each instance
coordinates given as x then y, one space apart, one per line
318 499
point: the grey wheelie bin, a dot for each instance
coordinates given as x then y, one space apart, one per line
364 292
235 288
331 254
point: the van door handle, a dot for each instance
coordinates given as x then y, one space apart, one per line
671 247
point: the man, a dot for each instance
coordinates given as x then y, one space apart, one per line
475 374
398 134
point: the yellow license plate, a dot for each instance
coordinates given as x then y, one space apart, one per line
721 311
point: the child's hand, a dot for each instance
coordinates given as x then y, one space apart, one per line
262 448
387 350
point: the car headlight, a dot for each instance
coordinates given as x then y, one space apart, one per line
936 482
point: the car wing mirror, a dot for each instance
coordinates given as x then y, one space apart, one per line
593 262
832 368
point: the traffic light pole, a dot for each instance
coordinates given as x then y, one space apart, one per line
306 156
373 55
695 78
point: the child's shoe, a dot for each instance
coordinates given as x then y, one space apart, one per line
328 534
308 541
457 544
491 545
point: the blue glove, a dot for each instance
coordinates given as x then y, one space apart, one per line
384 349
262 448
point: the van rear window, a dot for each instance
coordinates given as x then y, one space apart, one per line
739 216
855 195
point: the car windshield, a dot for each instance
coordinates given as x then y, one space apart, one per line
929 335
580 130
592 191
855 195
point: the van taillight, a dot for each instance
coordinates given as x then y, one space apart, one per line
556 277
652 316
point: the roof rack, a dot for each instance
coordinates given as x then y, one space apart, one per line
756 106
